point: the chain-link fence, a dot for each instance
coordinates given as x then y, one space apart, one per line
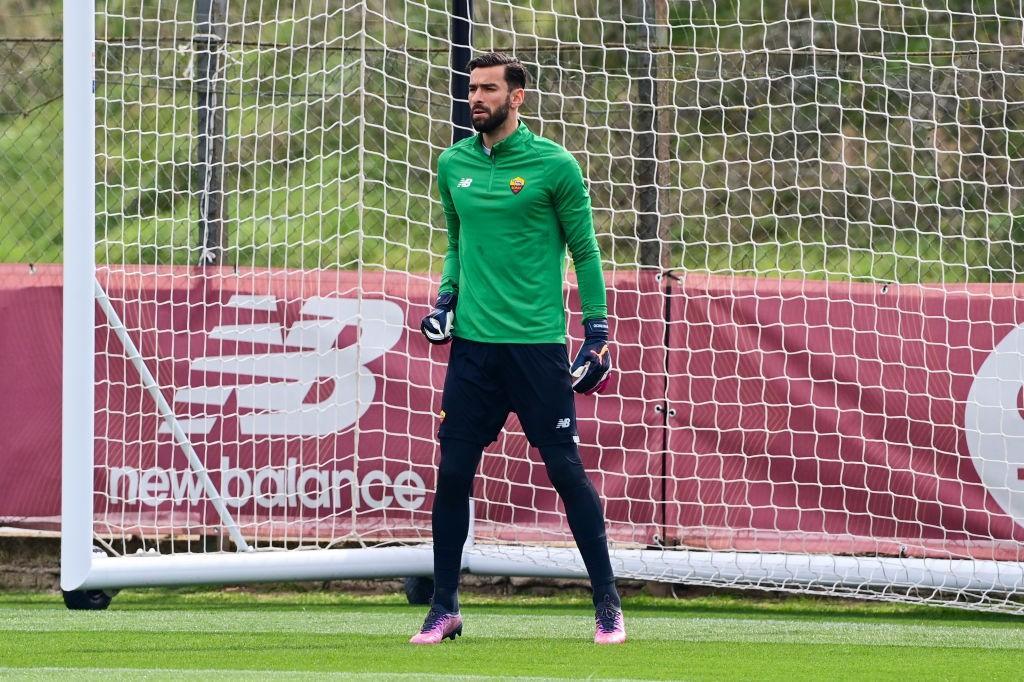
30 150
846 140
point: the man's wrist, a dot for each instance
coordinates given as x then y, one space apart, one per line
596 329
446 300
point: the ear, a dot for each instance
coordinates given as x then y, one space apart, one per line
517 98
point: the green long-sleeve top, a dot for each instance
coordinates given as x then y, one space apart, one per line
510 215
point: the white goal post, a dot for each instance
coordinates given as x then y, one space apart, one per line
811 228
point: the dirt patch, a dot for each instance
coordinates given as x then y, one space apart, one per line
29 564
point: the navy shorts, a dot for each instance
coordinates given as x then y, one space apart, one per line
486 381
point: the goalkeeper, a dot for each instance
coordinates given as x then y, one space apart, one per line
513 201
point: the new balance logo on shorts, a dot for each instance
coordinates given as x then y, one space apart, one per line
465 182
563 423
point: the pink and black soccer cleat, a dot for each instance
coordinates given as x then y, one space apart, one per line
439 625
610 626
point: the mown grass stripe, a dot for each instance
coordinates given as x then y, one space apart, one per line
524 625
76 673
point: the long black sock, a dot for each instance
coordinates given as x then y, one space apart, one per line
449 520
586 519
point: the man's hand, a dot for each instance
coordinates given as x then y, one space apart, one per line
593 364
438 325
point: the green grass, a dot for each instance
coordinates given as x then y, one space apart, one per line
170 634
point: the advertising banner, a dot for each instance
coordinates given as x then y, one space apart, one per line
751 414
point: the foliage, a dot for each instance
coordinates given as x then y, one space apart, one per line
837 139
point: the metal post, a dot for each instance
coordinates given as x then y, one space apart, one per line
461 38
79 359
208 75
645 151
462 122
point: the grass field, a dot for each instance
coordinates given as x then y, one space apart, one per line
165 634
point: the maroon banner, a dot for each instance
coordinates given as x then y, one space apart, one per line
751 414
816 416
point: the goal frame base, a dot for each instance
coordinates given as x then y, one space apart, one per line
739 569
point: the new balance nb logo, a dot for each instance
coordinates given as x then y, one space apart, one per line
277 393
563 423
465 182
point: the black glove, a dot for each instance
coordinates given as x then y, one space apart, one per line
593 364
438 325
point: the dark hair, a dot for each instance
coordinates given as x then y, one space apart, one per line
515 74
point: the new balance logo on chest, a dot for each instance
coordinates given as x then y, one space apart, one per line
465 182
563 423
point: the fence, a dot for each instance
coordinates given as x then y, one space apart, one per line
887 142
30 143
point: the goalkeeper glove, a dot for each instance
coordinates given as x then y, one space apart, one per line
437 326
593 364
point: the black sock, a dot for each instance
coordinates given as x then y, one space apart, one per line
449 519
607 592
586 519
446 598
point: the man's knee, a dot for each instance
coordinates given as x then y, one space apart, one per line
565 469
453 480
457 469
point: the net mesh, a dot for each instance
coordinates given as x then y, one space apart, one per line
808 214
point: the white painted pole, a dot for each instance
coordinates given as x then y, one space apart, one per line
869 577
79 305
221 568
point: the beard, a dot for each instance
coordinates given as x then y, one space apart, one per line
492 122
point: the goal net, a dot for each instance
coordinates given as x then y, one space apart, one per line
809 218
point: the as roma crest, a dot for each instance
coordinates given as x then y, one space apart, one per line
516 184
